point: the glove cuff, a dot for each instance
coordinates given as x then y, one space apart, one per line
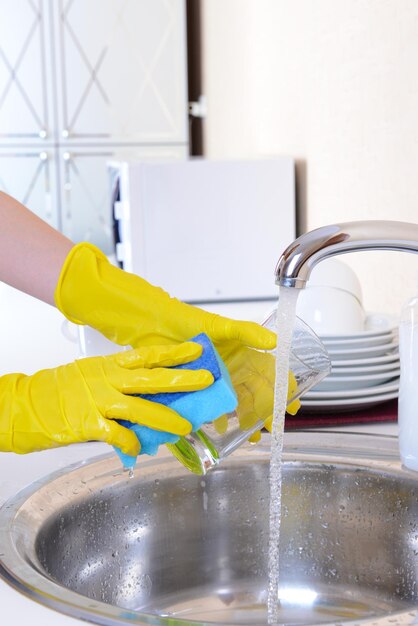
79 259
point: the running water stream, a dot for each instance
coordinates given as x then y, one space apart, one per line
286 314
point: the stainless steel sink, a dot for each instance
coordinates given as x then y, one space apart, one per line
171 548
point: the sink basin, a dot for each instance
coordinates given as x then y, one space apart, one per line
170 548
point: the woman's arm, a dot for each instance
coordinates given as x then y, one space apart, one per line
32 253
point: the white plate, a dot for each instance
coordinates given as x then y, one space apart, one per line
332 406
377 360
337 355
376 324
364 371
352 393
362 342
343 383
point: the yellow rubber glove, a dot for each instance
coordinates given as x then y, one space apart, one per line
81 401
130 311
253 375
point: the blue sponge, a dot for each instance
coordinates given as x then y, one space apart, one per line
198 407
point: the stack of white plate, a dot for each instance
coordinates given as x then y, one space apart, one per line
365 368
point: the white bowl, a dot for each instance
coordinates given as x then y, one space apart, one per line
331 310
335 273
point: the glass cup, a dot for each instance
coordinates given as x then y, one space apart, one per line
253 374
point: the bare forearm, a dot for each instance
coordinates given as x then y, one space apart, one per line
31 252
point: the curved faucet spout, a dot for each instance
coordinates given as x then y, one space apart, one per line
297 261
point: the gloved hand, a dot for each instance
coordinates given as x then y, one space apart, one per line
253 376
130 311
82 401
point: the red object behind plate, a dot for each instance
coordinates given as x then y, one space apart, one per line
386 412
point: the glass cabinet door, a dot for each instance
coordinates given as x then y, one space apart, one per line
121 71
30 176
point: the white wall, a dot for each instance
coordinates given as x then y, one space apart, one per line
333 83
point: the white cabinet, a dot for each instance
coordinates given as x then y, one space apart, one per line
85 183
26 87
122 70
82 82
30 174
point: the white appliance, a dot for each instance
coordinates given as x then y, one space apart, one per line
208 231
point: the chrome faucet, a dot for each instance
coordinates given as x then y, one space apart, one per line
297 261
